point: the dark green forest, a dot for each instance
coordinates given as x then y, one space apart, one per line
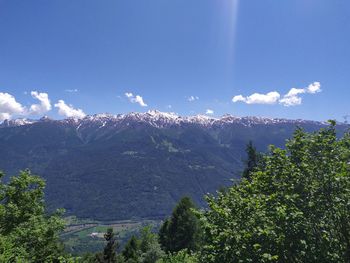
291 205
136 171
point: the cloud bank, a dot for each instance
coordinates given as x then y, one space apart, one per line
292 98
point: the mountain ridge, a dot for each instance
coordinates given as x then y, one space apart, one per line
163 119
137 165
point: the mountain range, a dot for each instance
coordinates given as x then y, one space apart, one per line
137 165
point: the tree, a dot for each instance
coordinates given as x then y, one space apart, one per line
182 230
109 254
109 251
24 221
131 252
295 208
252 162
149 246
163 235
11 253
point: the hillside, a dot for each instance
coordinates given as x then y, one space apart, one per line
138 165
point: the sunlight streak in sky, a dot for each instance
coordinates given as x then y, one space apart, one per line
232 13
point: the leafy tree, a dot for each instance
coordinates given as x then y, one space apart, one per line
149 246
89 258
153 254
131 252
147 238
146 249
25 226
252 162
11 253
182 230
296 208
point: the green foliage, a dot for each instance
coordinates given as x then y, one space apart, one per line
296 208
254 159
131 252
164 237
88 258
149 246
27 231
182 230
153 253
9 252
179 257
144 249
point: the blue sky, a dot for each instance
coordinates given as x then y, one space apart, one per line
185 56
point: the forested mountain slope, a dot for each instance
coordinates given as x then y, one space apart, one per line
137 165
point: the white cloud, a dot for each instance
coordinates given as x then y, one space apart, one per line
238 98
209 112
9 106
292 98
71 90
314 88
294 92
68 110
135 99
43 107
257 98
192 98
129 94
290 101
138 99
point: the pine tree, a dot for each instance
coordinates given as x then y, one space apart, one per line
252 162
182 230
109 254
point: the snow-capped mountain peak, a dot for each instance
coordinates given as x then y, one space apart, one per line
16 122
157 119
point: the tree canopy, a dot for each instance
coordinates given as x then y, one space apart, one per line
295 208
27 232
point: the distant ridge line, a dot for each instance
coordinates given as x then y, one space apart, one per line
162 119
